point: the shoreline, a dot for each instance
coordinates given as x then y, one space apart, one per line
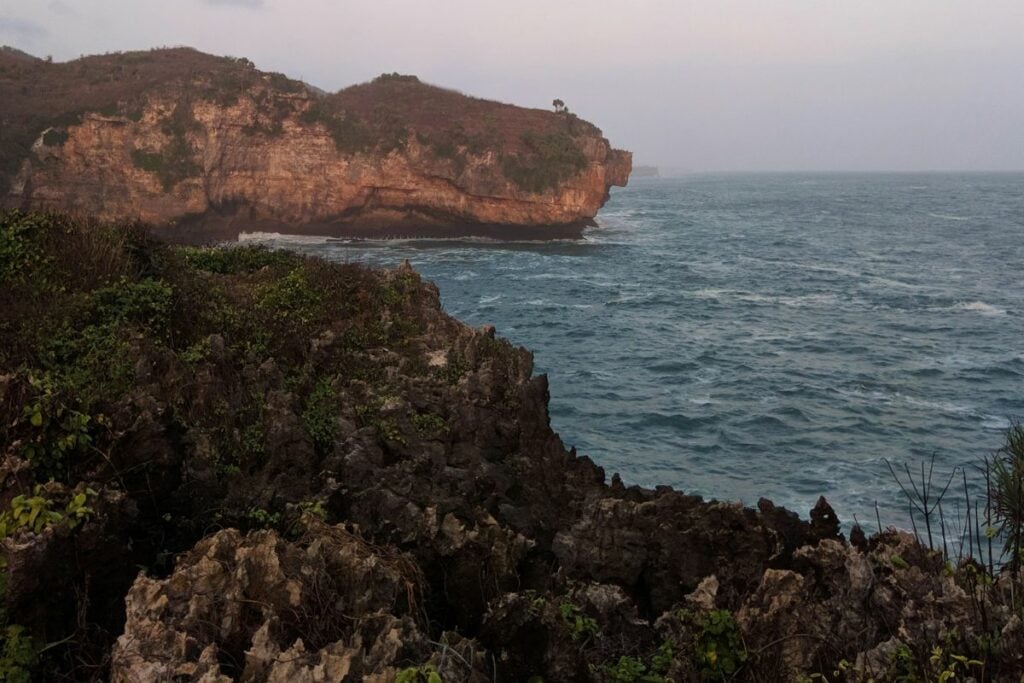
210 231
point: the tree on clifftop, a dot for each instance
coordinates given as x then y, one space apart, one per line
559 105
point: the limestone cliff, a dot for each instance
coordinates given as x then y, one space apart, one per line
199 144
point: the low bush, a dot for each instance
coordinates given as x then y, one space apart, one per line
550 159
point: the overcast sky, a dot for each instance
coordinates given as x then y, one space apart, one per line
705 85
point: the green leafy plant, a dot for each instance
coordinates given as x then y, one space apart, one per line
35 513
146 303
428 424
236 259
314 509
631 669
1007 492
261 518
77 511
18 655
22 256
898 562
580 626
720 649
56 432
940 664
319 416
293 297
949 666
426 673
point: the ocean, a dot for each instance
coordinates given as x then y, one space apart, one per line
776 335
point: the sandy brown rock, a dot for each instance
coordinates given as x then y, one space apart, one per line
327 608
202 160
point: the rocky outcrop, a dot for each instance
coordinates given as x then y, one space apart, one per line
328 607
201 156
252 466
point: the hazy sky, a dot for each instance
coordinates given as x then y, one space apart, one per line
702 85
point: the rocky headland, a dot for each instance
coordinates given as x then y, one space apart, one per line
247 465
201 147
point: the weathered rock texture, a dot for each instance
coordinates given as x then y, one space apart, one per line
299 471
205 146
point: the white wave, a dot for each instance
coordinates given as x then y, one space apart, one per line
489 299
896 397
802 301
847 272
948 217
555 304
995 422
979 307
263 237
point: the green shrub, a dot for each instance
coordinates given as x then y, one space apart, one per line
396 77
175 162
720 649
580 626
262 519
92 363
550 159
455 367
292 297
320 415
171 165
35 513
1007 477
236 259
22 255
633 669
89 354
146 303
18 655
428 424
180 121
53 432
350 133
419 674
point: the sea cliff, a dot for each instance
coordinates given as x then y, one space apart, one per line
240 464
199 145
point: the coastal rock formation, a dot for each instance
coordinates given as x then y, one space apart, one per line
203 146
240 464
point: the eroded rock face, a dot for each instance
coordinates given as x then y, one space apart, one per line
328 607
266 158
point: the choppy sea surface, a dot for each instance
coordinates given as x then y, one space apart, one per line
776 335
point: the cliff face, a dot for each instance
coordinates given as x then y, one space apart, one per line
214 150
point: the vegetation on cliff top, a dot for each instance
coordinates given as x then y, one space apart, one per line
96 316
538 149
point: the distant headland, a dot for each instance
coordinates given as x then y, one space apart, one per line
645 172
201 147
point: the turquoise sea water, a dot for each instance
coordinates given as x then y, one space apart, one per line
740 336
